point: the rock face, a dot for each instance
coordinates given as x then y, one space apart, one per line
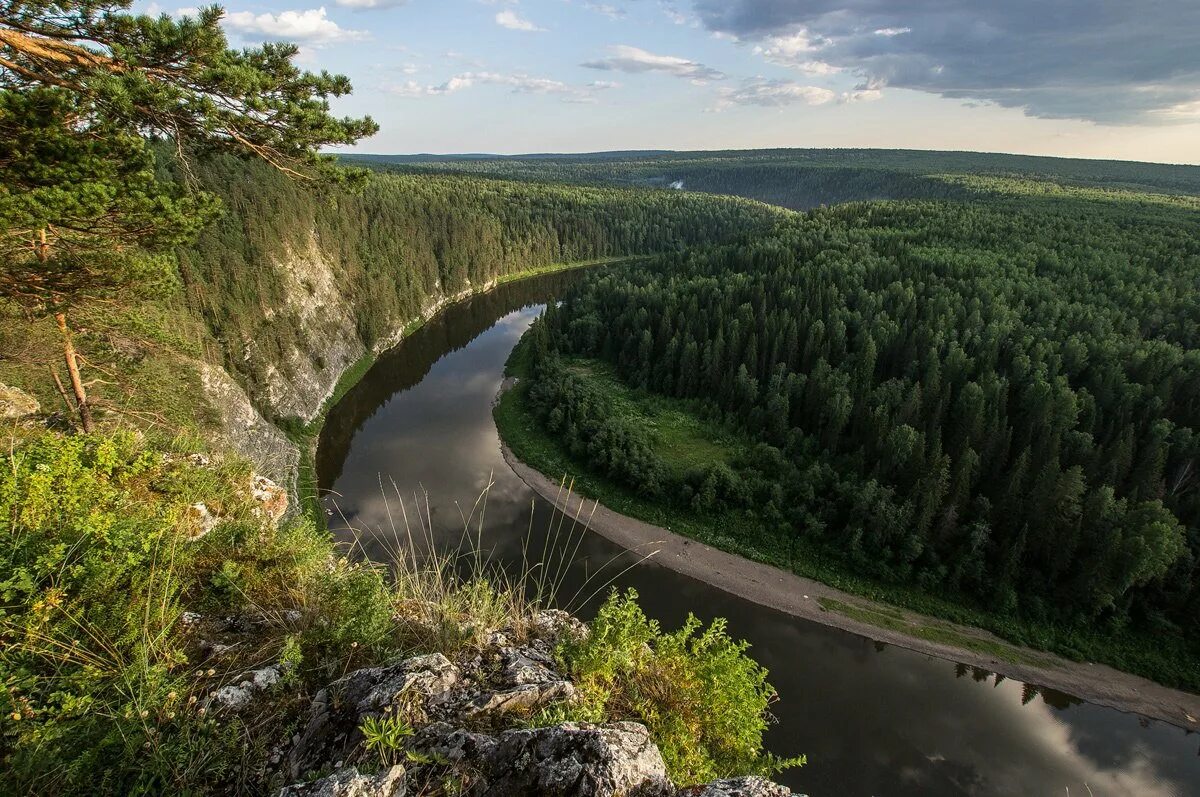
16 403
349 783
246 430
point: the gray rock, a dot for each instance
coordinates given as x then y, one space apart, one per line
526 666
16 403
454 745
239 696
349 783
552 625
737 787
331 733
581 760
525 697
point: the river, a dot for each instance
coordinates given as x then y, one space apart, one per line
874 720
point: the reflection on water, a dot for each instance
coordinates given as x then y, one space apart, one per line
873 719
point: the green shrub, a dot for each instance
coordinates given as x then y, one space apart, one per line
703 699
99 686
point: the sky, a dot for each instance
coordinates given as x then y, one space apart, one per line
1082 78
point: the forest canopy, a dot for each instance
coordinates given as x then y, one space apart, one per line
999 398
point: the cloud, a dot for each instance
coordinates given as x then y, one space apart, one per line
773 94
632 59
608 10
365 5
305 27
519 83
1108 62
511 20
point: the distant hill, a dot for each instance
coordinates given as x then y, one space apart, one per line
802 178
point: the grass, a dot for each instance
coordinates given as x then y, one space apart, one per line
104 696
1165 659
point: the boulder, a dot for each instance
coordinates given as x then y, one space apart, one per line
577 759
201 520
240 695
349 783
272 499
16 403
331 734
737 787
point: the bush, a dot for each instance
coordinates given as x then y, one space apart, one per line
703 699
99 684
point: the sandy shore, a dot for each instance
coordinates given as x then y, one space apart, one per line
778 589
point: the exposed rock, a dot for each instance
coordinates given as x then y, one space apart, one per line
579 760
332 733
349 783
551 625
190 618
200 520
272 499
16 403
737 787
524 698
236 697
246 430
455 745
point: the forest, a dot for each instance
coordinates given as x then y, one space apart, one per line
996 400
806 178
403 239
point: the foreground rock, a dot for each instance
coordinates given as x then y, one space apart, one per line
349 783
577 759
459 720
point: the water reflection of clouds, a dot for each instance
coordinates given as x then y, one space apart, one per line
872 723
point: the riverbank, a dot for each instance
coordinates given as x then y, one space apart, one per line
305 435
811 600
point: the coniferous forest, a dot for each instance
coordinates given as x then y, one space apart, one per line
996 400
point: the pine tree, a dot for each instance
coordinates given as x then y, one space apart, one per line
82 85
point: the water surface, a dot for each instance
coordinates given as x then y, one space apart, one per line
874 720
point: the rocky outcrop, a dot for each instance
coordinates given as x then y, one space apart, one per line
461 717
577 760
328 343
737 787
16 403
349 783
246 430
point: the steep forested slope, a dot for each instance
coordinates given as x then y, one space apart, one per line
297 286
999 399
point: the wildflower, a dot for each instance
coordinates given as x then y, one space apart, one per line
171 695
191 700
211 672
143 713
16 715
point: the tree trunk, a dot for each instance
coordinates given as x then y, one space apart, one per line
81 401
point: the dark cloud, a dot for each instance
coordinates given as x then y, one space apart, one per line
1102 60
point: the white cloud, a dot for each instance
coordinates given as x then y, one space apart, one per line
633 59
519 83
610 11
364 5
309 27
796 50
773 94
511 20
